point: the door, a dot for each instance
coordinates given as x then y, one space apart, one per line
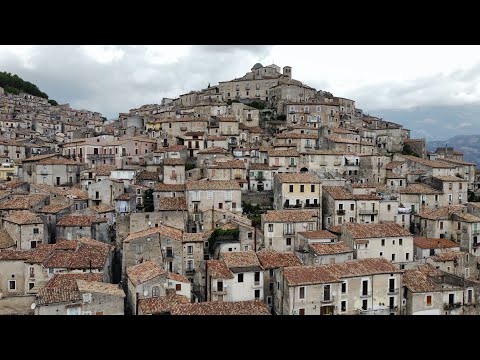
392 303
326 310
451 299
58 180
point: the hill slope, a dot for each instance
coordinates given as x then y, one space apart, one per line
14 84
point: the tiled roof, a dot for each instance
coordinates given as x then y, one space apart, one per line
14 254
100 287
222 308
328 152
178 278
70 280
102 170
366 231
51 161
441 213
271 259
205 184
6 240
23 202
419 189
342 131
238 259
49 295
419 280
216 138
196 237
169 187
217 269
123 196
330 248
393 164
171 148
362 267
194 133
261 166
466 217
304 275
282 153
102 208
23 217
172 204
318 234
54 208
213 150
450 178
289 215
147 175
8 185
337 139
88 254
456 162
307 177
294 135
80 220
229 164
173 161
161 304
433 243
49 189
143 272
429 163
342 193
448 255
163 230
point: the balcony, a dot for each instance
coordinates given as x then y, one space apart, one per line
100 156
306 111
393 291
476 245
453 306
292 206
366 295
292 165
183 128
340 212
325 299
169 255
368 212
256 284
43 172
311 206
220 292
288 231
190 272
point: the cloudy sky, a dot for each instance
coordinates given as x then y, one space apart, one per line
404 79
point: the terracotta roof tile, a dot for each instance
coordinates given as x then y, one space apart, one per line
450 178
419 189
304 275
161 304
318 234
366 231
172 204
283 153
214 150
330 248
271 259
147 175
178 278
237 259
337 139
23 202
70 280
229 164
163 230
100 287
222 308
419 280
429 163
23 217
448 255
88 254
433 243
308 178
443 212
261 166
289 216
80 220
342 193
169 187
171 148
143 272
217 269
54 208
173 161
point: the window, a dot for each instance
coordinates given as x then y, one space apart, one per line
389 207
344 287
407 256
269 300
428 300
449 186
352 207
383 242
364 304
301 311
270 227
219 285
393 242
249 235
441 225
189 265
257 277
393 257
178 287
240 278
32 272
155 291
290 188
190 249
364 287
271 272
12 285
257 294
210 194
381 253
400 242
302 188
436 197
312 188
301 292
35 230
138 249
289 241
343 306
470 295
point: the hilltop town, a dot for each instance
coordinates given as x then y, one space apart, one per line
256 196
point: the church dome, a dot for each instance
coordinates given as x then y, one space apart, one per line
257 66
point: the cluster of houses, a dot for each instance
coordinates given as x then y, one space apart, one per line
256 196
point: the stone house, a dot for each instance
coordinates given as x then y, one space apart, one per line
285 160
73 227
51 169
209 155
300 190
27 229
173 212
425 247
228 170
174 171
261 176
270 260
366 287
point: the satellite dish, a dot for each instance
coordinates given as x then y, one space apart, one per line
145 293
149 223
304 225
33 306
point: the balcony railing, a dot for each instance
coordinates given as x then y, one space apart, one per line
449 306
292 165
393 291
169 255
307 206
368 212
292 206
340 212
238 176
289 232
190 272
100 156
325 299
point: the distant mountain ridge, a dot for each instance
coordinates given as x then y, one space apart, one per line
469 145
